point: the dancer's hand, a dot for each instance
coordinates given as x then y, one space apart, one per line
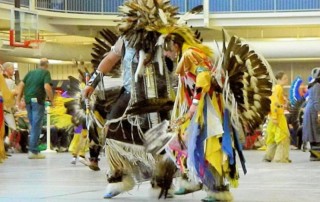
87 91
179 121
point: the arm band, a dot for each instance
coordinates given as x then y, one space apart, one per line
195 102
95 78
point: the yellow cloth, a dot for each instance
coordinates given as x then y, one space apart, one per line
213 153
277 102
58 115
200 65
277 132
3 155
79 144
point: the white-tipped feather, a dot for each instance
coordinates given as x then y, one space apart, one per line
245 83
256 89
150 4
250 70
160 41
257 104
253 81
140 68
188 15
124 9
257 97
219 73
245 99
238 58
253 108
163 16
249 114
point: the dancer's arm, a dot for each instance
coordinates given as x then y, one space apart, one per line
105 66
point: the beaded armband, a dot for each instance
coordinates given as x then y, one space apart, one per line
195 102
95 79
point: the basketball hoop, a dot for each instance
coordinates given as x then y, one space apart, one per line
37 46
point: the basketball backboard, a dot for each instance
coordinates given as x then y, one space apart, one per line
23 28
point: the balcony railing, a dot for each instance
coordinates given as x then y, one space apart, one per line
215 6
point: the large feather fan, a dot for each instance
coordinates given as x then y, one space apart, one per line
102 47
248 83
76 106
100 102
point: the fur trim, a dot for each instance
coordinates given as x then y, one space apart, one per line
126 184
221 195
189 185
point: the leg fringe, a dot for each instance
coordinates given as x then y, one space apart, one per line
125 156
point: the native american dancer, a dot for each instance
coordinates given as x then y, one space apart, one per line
90 115
7 100
242 80
79 144
214 105
90 121
144 101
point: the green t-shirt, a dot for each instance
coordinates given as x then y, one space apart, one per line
34 85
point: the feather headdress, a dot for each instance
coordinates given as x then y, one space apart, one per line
140 20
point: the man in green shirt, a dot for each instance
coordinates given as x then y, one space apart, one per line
36 87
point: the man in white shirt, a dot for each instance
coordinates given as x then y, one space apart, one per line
8 73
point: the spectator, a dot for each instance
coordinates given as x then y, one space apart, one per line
310 127
35 86
6 99
8 73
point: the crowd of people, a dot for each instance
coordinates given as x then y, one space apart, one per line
207 131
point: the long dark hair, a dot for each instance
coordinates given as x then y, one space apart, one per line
173 39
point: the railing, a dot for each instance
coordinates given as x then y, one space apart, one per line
233 6
23 3
215 6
